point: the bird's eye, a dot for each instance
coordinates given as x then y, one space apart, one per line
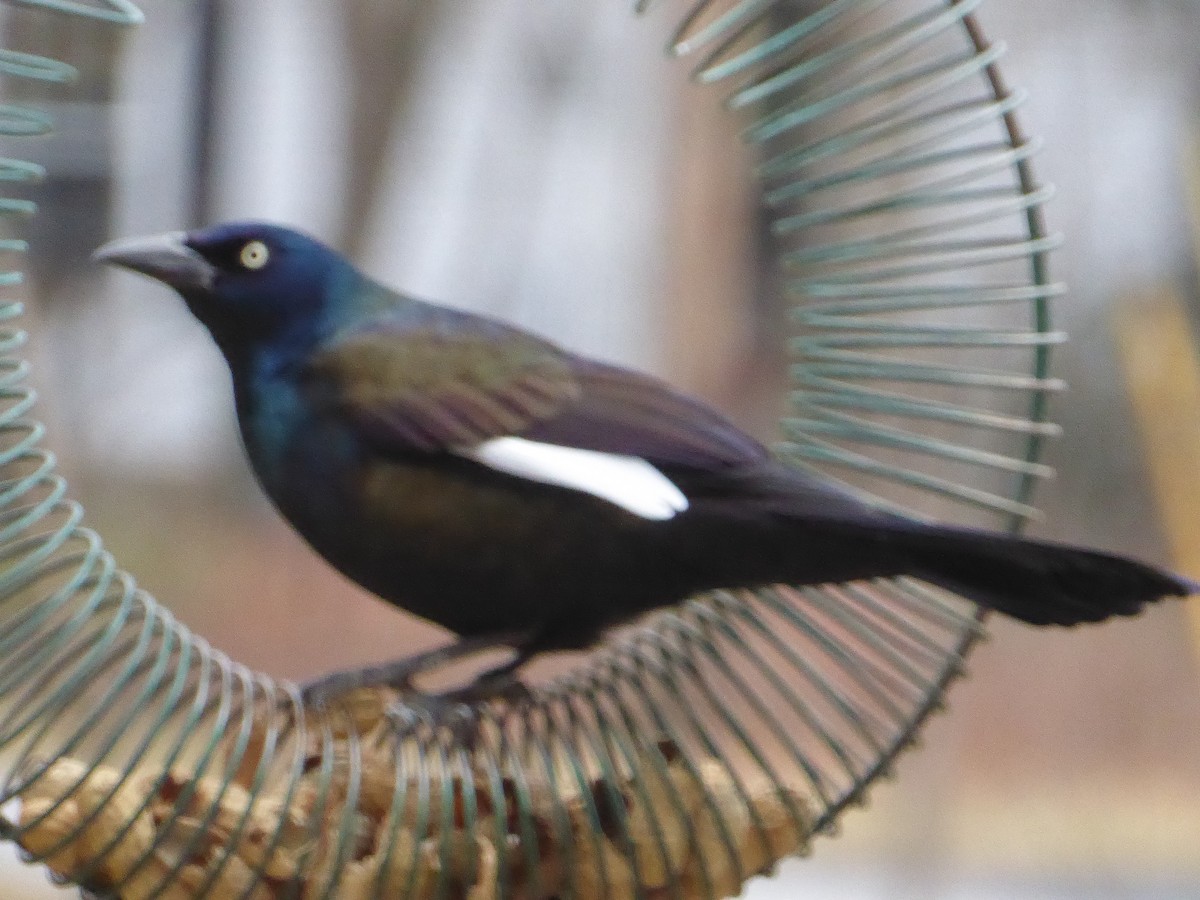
254 255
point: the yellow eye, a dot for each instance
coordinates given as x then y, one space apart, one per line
254 255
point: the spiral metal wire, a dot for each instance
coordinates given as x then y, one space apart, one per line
910 237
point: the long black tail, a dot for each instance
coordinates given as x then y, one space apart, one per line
1038 582
815 533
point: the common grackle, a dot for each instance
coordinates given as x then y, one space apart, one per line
523 496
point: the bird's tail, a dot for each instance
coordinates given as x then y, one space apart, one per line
1038 582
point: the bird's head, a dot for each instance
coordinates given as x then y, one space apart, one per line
249 282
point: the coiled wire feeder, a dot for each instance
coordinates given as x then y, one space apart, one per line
690 753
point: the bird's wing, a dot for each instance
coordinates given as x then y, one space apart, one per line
624 412
434 388
454 387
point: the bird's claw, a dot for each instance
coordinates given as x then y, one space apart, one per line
513 691
322 691
459 714
422 715
403 683
314 694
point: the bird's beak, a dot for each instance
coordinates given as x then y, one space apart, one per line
165 257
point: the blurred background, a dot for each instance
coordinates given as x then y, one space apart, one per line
546 161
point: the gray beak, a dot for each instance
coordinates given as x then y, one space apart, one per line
165 257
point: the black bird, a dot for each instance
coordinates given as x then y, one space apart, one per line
521 495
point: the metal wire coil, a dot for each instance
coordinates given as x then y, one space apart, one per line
909 229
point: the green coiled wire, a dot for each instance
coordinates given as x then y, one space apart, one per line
909 233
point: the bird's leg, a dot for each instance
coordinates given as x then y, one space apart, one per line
455 712
400 673
502 681
498 683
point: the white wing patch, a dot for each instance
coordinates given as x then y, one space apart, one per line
628 481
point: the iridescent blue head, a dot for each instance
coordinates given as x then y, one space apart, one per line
251 283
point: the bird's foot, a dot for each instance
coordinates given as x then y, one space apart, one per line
400 673
414 714
421 716
319 692
460 714
329 688
336 685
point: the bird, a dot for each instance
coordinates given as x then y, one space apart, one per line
526 497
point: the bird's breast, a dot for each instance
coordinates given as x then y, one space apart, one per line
306 461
